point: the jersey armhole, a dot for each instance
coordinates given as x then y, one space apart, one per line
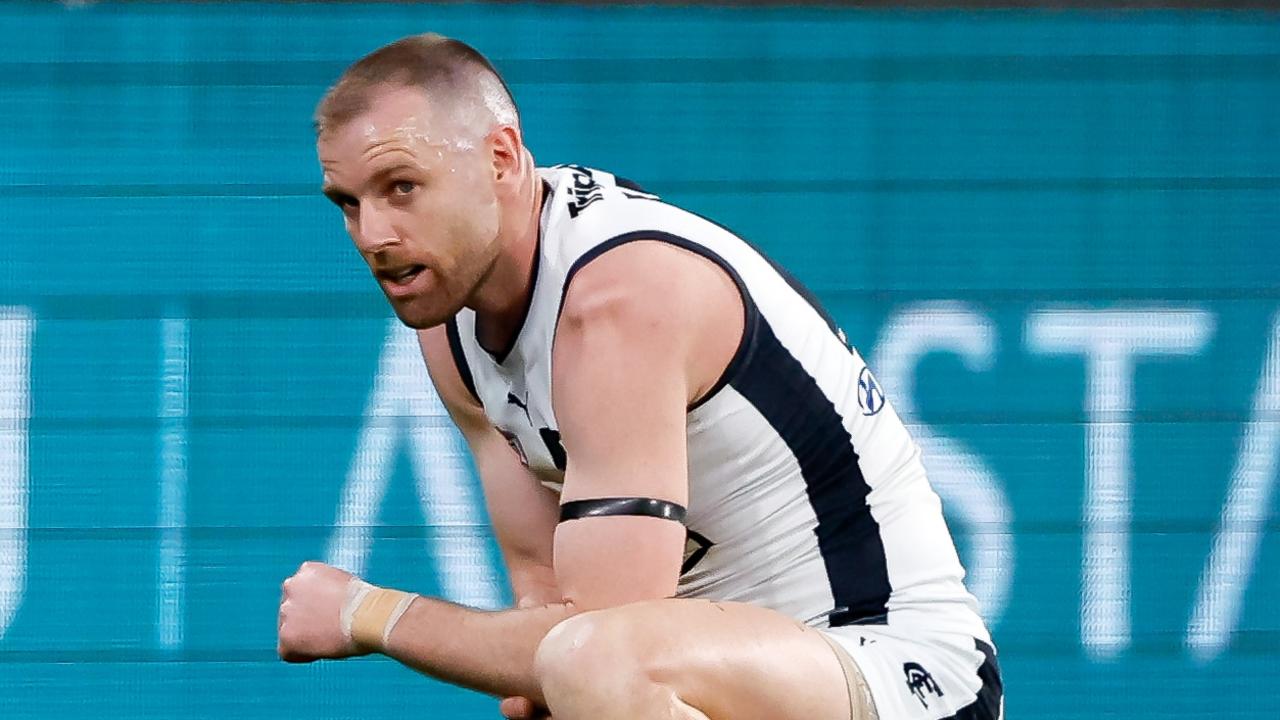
751 313
460 358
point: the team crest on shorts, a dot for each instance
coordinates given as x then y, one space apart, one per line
920 682
870 396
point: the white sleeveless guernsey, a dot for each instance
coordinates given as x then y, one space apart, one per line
806 493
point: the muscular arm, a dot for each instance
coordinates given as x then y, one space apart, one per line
523 512
646 329
625 371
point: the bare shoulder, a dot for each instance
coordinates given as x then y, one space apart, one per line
659 297
648 278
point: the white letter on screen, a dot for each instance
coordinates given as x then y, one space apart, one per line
968 487
1244 516
1111 341
172 509
404 404
16 327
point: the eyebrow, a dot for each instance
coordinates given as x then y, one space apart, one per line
337 194
392 169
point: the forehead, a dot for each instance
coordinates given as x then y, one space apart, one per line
400 117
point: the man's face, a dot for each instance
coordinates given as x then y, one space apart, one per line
416 189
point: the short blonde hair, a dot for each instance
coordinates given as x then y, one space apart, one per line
430 61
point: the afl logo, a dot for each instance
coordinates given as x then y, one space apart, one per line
870 397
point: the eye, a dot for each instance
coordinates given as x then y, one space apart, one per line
403 187
343 201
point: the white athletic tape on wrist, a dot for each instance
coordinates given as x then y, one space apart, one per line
371 613
357 591
397 612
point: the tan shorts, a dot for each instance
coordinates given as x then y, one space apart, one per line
861 705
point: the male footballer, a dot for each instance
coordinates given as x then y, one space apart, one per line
705 509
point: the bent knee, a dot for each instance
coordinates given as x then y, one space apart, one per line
574 640
586 646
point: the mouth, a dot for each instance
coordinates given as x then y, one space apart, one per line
400 281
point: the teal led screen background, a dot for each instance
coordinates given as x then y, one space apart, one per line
1055 235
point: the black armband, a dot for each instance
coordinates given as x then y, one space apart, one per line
604 507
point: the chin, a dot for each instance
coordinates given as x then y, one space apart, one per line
420 321
418 317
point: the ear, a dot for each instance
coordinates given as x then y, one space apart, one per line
507 151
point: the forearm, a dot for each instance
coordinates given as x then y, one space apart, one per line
533 585
491 652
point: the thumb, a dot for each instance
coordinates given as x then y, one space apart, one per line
518 708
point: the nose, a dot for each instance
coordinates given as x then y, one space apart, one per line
375 230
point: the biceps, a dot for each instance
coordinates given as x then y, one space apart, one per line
608 561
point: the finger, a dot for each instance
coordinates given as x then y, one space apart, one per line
516 708
295 658
525 709
511 709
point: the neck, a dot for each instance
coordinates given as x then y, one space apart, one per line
501 300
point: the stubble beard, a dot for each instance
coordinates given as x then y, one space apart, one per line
449 295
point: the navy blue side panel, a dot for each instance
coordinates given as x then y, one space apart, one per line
629 185
773 381
804 292
459 358
790 279
778 386
987 704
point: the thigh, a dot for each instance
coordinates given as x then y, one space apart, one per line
732 661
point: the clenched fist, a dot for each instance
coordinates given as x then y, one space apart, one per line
311 606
